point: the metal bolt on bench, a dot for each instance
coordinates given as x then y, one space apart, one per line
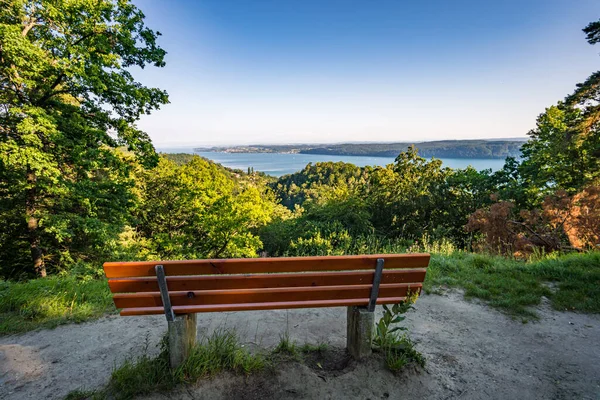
180 289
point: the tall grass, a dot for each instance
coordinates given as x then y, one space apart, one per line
577 277
218 352
287 347
221 351
501 282
516 286
51 301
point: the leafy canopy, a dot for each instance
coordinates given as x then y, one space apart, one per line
68 100
196 210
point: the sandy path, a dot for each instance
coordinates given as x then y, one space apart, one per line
472 352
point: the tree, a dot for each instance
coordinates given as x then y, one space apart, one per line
564 149
320 182
196 210
592 31
406 196
68 100
464 192
555 157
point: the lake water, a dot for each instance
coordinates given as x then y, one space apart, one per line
278 164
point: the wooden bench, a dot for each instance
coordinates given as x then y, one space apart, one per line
180 289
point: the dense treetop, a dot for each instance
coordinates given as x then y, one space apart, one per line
67 101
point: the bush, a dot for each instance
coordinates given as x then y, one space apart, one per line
398 349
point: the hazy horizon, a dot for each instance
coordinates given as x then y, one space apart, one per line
192 144
338 72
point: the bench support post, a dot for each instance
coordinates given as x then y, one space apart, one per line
361 320
182 338
181 328
164 292
375 287
359 332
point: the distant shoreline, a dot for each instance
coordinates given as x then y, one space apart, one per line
460 149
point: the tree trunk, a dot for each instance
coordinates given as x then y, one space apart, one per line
37 255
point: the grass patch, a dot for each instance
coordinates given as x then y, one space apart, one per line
49 302
142 375
401 352
219 352
287 347
397 348
515 286
577 277
314 348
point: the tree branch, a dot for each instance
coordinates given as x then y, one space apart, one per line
49 93
32 22
532 231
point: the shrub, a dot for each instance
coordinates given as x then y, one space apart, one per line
398 349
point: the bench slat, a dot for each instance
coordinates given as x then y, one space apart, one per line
235 296
211 282
279 305
264 265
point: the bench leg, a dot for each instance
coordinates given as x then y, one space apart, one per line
359 331
182 337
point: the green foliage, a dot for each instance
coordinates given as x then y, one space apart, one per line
196 210
178 158
426 245
401 353
51 302
320 182
384 332
334 243
312 348
219 352
405 195
560 155
563 151
287 347
68 101
320 229
516 286
465 191
509 184
398 349
592 31
407 199
142 375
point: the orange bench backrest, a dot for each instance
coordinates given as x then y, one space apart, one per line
263 283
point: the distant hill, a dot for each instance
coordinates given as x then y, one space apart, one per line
438 149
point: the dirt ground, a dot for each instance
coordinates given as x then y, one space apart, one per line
472 352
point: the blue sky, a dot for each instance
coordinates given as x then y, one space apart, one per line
266 71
